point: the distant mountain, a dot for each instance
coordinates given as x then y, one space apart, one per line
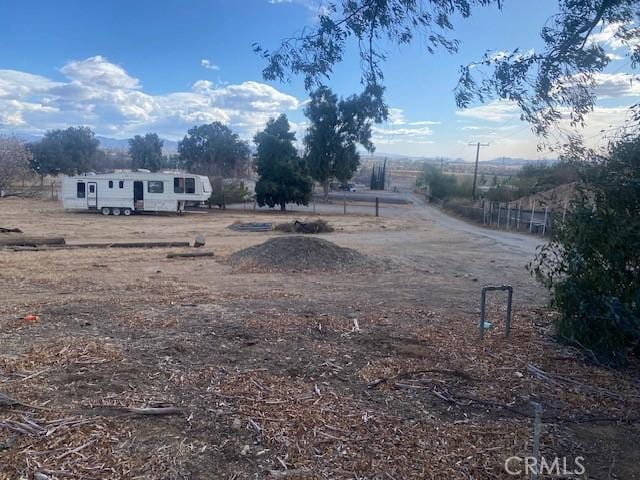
169 146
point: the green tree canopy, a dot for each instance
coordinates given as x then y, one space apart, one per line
69 151
592 264
559 76
146 152
283 174
335 130
214 150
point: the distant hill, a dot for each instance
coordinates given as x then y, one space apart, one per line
169 146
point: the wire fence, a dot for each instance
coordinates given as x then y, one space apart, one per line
511 216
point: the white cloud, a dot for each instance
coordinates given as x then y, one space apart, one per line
607 36
496 111
104 96
99 72
611 85
206 63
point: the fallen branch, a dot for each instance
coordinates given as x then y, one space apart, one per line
402 375
130 245
31 241
190 255
10 230
169 410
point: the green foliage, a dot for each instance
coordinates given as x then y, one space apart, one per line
378 176
315 51
443 186
559 75
225 192
336 127
214 150
283 174
592 264
69 151
146 152
562 73
533 178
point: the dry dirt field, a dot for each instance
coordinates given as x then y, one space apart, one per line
366 374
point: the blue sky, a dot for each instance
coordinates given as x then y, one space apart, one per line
125 68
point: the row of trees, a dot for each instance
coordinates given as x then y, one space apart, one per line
337 127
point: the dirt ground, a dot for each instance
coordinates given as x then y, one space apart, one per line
366 374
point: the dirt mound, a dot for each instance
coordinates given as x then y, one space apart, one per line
298 253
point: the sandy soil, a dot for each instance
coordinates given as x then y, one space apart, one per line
275 373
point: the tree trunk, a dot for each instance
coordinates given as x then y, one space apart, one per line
283 207
325 187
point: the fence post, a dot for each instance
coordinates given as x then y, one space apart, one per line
533 213
377 206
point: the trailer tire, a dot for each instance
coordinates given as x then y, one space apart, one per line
115 211
126 212
105 210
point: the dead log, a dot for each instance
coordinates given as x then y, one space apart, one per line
129 245
190 255
10 230
30 241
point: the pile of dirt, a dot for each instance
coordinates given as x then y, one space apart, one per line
298 253
315 226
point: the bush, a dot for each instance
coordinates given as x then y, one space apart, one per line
225 192
443 186
592 263
317 226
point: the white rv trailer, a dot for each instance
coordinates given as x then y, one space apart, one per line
125 193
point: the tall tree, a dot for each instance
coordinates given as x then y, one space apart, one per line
335 130
14 161
542 82
69 151
214 150
283 174
146 152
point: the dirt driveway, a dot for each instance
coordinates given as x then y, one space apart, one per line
302 375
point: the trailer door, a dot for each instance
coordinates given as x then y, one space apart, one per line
92 195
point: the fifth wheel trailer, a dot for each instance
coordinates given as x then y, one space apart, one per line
126 193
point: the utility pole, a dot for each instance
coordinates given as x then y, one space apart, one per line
475 173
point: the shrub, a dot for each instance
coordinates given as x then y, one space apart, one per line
592 263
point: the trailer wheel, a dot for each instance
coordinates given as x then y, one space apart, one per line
105 210
115 211
126 212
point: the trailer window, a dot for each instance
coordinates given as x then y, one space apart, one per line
190 184
178 185
81 192
110 183
155 186
121 184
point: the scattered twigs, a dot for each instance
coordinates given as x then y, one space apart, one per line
7 401
404 375
560 380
